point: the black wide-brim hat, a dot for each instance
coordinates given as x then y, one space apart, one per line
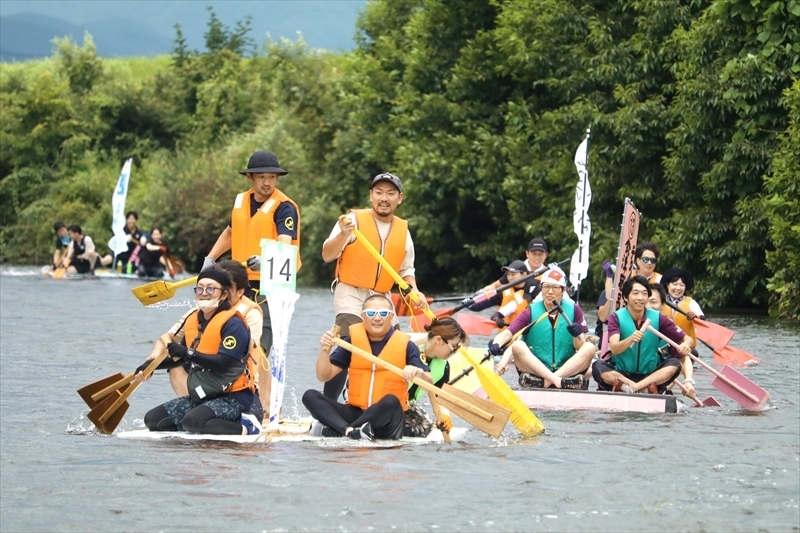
673 273
263 161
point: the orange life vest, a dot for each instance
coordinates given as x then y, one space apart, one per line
370 383
680 319
247 231
209 340
256 351
515 295
358 268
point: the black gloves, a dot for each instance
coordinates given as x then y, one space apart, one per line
495 349
499 319
575 329
178 350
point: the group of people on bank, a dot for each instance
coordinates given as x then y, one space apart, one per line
218 363
146 256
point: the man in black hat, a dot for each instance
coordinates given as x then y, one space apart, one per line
535 256
511 302
263 212
358 274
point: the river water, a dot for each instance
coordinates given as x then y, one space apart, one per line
719 469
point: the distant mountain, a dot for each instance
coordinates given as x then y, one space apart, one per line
131 28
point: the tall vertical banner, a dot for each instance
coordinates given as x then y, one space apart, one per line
278 284
579 267
626 251
119 241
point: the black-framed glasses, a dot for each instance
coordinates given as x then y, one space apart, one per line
453 347
199 291
383 313
650 260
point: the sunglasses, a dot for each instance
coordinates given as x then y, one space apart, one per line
383 313
199 291
650 260
453 348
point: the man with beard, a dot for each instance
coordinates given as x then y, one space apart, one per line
358 274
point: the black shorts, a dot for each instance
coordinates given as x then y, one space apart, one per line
82 266
601 367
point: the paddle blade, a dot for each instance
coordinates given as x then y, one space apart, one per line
87 391
59 272
472 324
476 325
710 402
760 394
729 355
494 427
500 393
113 419
712 334
154 292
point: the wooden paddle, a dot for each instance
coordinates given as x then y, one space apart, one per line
484 415
158 291
62 270
102 388
107 414
494 386
712 334
437 412
708 402
729 382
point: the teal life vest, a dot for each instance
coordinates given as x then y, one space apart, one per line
642 357
440 369
551 344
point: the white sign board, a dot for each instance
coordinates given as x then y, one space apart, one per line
278 266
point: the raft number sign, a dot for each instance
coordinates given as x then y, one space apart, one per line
278 266
626 252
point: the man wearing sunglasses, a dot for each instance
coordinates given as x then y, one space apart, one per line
554 351
358 274
376 398
263 212
646 260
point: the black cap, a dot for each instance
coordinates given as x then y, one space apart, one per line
263 161
673 273
515 266
537 244
391 178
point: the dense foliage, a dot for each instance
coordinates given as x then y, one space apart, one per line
479 107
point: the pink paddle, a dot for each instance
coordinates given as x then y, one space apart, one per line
730 382
708 402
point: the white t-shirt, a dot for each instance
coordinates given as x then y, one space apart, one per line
349 299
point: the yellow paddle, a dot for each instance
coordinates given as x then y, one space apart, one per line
494 386
158 291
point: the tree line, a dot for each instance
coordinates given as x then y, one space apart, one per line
477 105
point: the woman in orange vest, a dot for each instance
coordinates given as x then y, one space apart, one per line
678 282
376 398
221 381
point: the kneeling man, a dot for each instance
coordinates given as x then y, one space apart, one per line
551 352
376 398
635 365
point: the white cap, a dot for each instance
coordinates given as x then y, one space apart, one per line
555 276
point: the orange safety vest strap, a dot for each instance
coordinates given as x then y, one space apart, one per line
358 268
247 231
680 319
369 383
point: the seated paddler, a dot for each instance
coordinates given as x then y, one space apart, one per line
553 352
376 398
635 364
221 382
444 337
